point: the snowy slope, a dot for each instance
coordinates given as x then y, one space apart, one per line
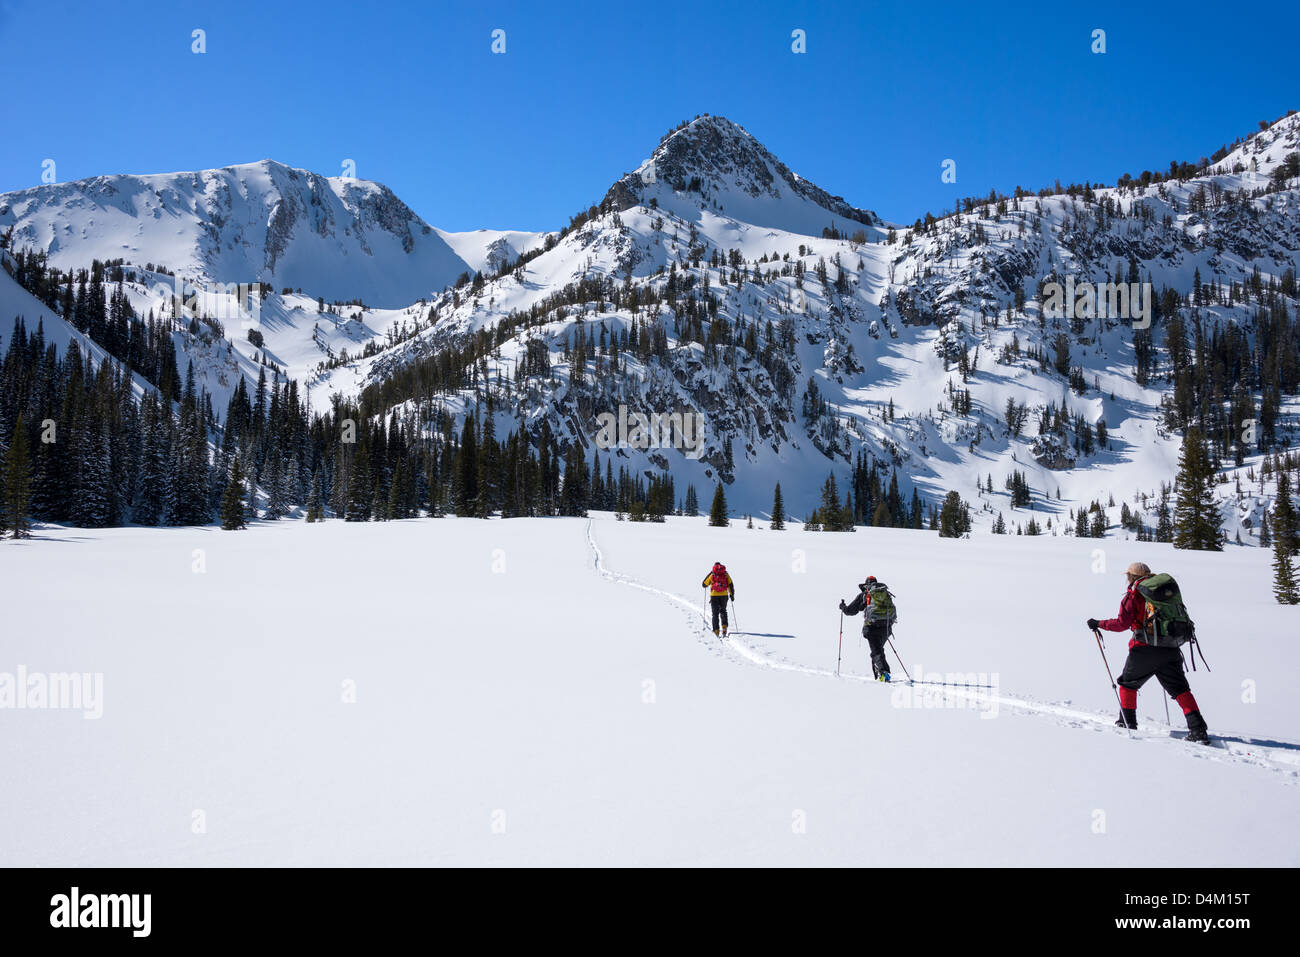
335 237
591 720
487 250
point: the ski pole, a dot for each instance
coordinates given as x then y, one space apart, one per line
1113 687
734 617
840 656
890 639
704 609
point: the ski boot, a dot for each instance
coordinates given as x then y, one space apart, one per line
1197 731
1127 718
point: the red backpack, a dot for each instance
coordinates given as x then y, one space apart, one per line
719 579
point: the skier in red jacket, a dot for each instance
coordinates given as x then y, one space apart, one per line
1165 663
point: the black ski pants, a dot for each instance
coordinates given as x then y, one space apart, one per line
719 605
876 636
1166 664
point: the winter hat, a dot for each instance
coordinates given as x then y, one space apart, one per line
1138 570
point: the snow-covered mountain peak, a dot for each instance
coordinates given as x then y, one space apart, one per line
716 164
337 237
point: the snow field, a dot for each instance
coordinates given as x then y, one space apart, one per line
517 703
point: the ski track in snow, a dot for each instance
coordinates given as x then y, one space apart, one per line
1279 756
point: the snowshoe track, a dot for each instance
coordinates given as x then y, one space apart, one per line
1279 756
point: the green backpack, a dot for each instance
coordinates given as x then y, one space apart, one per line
882 608
1168 624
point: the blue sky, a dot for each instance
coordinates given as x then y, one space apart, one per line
413 94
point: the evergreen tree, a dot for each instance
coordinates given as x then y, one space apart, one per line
338 499
466 490
846 514
395 506
1285 589
360 492
718 511
778 510
576 493
315 501
49 482
1164 520
16 471
1196 516
895 501
1021 492
951 519
152 504
93 470
277 498
595 486
487 500
1284 517
189 471
828 511
232 501
250 500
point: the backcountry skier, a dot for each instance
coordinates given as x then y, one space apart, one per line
718 582
877 604
1153 611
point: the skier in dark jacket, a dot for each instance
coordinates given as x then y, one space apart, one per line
718 582
877 605
1144 660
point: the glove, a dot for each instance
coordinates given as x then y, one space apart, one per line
1093 623
842 608
733 594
